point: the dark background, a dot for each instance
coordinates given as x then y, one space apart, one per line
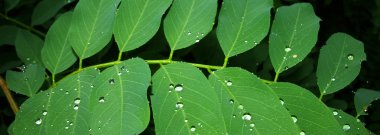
358 18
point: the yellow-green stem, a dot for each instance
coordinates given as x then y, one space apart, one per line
119 57
171 55
320 97
30 28
276 77
225 62
53 79
80 64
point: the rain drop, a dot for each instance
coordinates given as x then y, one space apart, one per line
119 73
38 121
196 41
234 116
188 33
67 92
286 68
241 107
67 127
350 57
111 81
335 113
246 116
295 56
28 59
232 101
192 129
186 120
178 87
288 49
44 112
101 100
202 34
282 101
345 66
179 105
302 133
252 125
246 41
333 79
88 43
294 118
76 101
171 86
346 127
92 86
228 82
76 107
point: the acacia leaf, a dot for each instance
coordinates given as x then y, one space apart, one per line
28 81
363 98
28 47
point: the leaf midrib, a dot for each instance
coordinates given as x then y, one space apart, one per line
183 27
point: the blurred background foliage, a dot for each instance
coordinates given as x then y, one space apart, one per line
358 18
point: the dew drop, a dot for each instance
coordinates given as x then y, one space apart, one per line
119 73
350 57
282 101
294 118
333 79
252 125
286 68
231 101
188 33
38 121
234 116
228 82
111 81
196 41
76 107
101 100
44 112
288 49
241 107
345 66
179 105
92 86
88 43
28 59
66 127
295 56
76 101
246 116
302 133
171 86
346 127
202 34
67 92
335 113
186 120
246 41
192 129
178 87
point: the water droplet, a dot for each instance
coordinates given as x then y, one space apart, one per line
75 89
44 112
345 66
88 43
335 113
350 57
76 101
228 82
28 59
202 34
25 79
119 73
232 101
241 107
188 33
179 105
38 121
282 101
71 124
111 81
286 68
196 41
333 79
101 100
346 127
178 87
246 41
192 129
66 127
186 120
171 86
76 107
246 116
252 125
294 118
302 133
295 56
92 86
67 92
234 116
288 49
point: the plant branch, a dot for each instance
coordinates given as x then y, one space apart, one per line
30 28
8 95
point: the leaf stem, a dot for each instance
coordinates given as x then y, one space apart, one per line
276 77
8 95
120 55
171 55
80 63
53 79
266 81
320 97
225 62
30 28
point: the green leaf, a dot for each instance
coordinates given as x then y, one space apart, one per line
339 62
293 34
91 26
249 106
28 47
46 9
242 24
56 53
28 81
310 114
184 102
188 21
119 103
10 4
137 21
349 124
8 34
62 110
363 98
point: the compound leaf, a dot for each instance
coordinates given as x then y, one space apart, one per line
28 47
91 26
27 82
137 21
56 53
310 114
184 102
46 9
63 109
242 24
119 103
339 62
363 98
349 124
293 34
249 106
188 21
